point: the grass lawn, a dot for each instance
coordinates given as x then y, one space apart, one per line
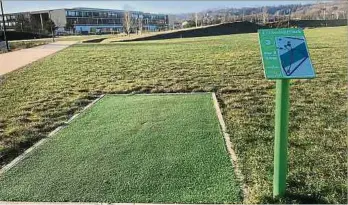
157 148
35 100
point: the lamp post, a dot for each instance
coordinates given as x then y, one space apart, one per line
4 26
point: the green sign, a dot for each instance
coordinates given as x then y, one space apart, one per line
285 54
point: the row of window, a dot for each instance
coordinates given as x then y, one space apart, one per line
8 24
94 21
71 13
154 16
8 17
109 21
93 14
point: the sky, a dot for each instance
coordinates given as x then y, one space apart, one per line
169 7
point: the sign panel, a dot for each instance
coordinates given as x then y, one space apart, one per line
285 54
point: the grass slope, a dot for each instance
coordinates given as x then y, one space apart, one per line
131 149
35 100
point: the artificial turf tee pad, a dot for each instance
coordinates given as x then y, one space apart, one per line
139 148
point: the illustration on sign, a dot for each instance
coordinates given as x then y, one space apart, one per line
285 54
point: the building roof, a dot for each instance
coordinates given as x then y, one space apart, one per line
77 8
93 9
99 9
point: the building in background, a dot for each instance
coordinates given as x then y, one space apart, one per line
86 20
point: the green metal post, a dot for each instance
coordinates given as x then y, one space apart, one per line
281 137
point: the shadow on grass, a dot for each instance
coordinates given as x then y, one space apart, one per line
95 40
298 192
291 198
215 30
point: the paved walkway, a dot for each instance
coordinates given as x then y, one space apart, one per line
16 59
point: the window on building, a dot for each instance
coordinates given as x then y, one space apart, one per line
71 13
82 21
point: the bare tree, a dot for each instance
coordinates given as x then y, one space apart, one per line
140 24
243 15
23 24
264 15
224 18
196 19
127 22
200 18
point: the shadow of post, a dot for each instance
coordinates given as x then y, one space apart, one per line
291 198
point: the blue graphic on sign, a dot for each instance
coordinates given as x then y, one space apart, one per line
294 57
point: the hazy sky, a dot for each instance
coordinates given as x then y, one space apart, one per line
146 6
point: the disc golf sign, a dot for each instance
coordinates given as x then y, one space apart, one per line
285 54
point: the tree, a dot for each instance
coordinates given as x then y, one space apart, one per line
127 22
50 26
196 19
23 24
224 17
200 17
189 24
140 24
69 26
264 15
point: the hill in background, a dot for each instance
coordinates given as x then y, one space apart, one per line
318 11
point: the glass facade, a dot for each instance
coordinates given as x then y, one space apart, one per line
88 19
92 14
113 19
10 20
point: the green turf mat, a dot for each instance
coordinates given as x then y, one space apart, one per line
138 148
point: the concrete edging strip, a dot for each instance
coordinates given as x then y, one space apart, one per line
42 141
229 146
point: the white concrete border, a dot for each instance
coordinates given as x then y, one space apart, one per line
229 146
42 141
